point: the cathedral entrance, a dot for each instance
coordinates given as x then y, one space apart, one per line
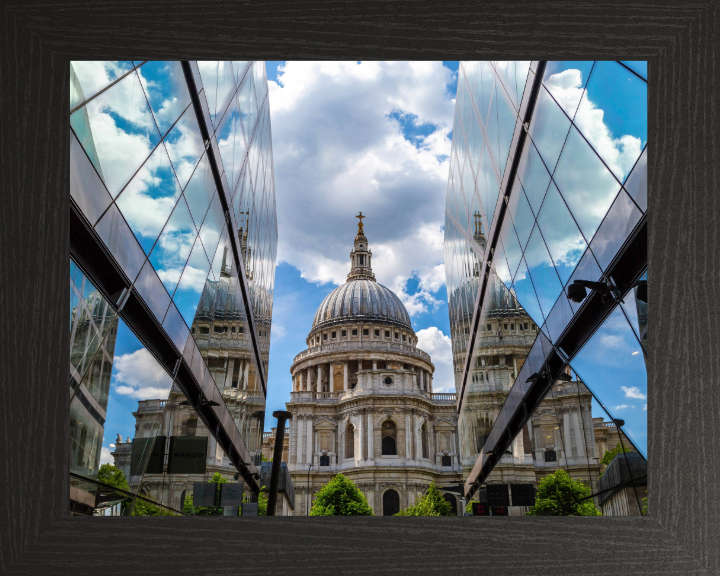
391 503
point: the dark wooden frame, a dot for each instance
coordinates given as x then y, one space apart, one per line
682 531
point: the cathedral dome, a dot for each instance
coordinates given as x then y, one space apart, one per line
361 301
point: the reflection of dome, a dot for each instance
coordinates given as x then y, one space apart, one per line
361 300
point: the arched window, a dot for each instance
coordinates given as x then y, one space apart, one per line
424 440
391 503
389 439
349 441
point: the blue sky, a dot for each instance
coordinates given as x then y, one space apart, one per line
375 137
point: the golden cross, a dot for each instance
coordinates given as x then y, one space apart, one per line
360 224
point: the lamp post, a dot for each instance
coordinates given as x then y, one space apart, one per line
281 416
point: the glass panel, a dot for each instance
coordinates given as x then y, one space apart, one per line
166 90
613 232
149 198
152 291
88 77
506 127
566 81
173 247
613 116
548 129
562 237
636 184
121 243
212 226
639 67
525 292
86 188
545 279
587 269
511 245
185 145
191 283
521 214
117 131
200 190
533 176
612 365
585 183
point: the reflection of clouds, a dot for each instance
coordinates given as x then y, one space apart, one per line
612 341
139 376
193 278
105 457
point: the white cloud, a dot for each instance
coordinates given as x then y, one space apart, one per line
139 376
612 341
337 150
105 457
633 392
277 332
621 407
439 346
645 407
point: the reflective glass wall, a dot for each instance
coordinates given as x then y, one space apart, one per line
172 176
548 186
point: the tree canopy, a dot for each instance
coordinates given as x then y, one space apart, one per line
610 454
188 507
112 476
558 494
340 497
431 504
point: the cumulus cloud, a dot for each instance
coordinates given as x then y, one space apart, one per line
339 148
138 375
621 407
612 341
645 407
439 346
105 457
633 392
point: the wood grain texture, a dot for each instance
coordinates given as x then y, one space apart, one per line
680 39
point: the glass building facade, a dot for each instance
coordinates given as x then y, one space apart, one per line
546 269
173 248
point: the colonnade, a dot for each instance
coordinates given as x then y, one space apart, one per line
243 372
303 379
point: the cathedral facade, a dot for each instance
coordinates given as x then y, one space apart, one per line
362 400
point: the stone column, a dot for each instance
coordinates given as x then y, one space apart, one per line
566 432
579 436
455 448
308 456
301 386
593 454
309 379
374 365
418 438
340 443
370 435
360 455
345 376
318 385
408 436
229 373
429 383
331 386
432 449
298 441
245 375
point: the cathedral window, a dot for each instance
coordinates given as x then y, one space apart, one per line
234 383
334 334
343 333
403 337
396 335
241 330
505 326
387 334
446 461
204 330
366 332
354 332
389 439
350 441
512 327
377 332
362 260
324 336
489 327
232 329
217 329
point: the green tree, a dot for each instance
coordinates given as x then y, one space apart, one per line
558 494
263 459
431 504
112 476
340 497
610 454
143 508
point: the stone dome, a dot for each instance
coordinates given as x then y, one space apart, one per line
361 301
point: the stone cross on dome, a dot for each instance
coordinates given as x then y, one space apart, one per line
361 256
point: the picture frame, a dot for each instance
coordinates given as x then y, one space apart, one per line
681 531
